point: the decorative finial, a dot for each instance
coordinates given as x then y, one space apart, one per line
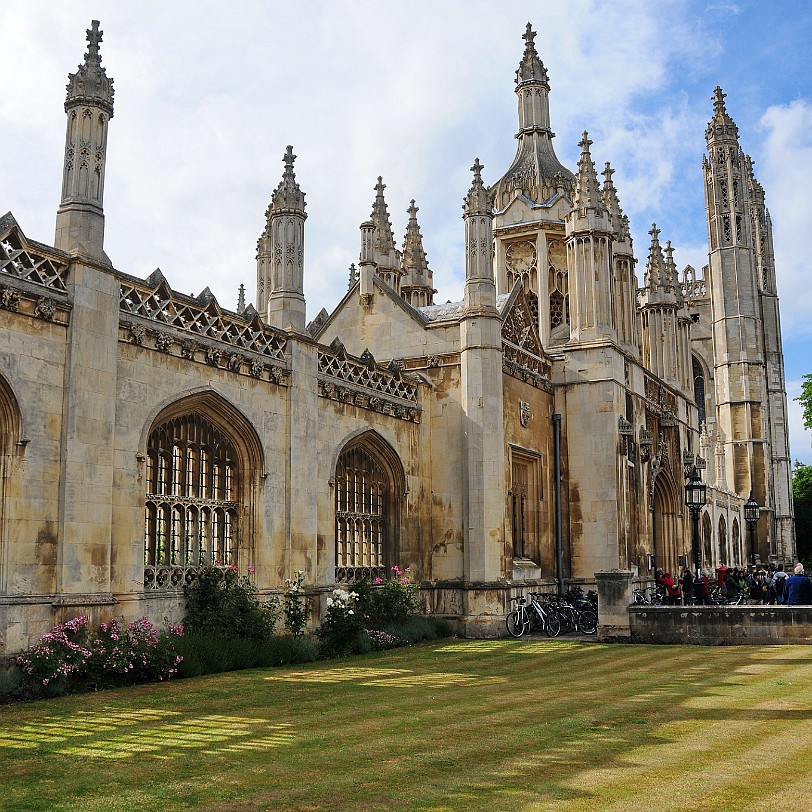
241 299
288 195
384 237
90 85
353 276
655 234
587 191
478 200
531 67
719 101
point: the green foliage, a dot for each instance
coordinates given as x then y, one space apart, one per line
295 605
805 399
802 502
220 603
341 631
74 657
207 654
389 602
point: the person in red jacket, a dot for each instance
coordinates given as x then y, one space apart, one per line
673 594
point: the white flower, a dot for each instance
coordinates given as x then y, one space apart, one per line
350 612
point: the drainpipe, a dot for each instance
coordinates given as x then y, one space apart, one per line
559 545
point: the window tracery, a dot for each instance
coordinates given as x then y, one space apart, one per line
192 509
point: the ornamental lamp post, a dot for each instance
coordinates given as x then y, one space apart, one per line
752 512
695 491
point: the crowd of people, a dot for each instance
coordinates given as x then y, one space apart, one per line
757 584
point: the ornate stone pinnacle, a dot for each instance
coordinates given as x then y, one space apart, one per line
655 234
90 85
719 101
384 237
415 261
478 200
531 67
587 191
288 195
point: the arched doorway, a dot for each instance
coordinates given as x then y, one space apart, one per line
665 543
736 544
722 541
707 539
368 483
9 437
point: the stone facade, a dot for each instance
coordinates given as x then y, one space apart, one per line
146 433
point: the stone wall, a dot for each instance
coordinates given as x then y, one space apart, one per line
721 625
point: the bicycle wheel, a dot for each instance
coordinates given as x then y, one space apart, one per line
516 623
552 625
587 622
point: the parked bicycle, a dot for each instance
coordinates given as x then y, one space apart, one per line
573 617
651 596
532 617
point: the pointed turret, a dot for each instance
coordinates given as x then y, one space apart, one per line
280 253
416 285
721 127
587 192
535 172
480 288
623 261
89 108
655 275
378 251
589 251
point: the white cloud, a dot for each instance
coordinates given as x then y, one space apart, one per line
786 173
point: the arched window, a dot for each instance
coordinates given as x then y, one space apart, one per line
366 513
9 436
191 513
699 388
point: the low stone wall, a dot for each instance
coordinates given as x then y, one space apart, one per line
721 625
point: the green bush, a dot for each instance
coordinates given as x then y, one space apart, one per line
342 629
389 602
295 605
208 654
221 603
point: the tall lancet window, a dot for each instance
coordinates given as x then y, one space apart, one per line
366 513
191 512
699 389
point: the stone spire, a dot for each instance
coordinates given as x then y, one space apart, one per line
624 290
611 203
90 85
480 287
531 68
416 285
280 253
655 279
241 298
379 255
587 191
721 127
89 108
535 172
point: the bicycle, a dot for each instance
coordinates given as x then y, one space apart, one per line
534 617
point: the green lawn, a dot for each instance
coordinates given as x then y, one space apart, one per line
459 725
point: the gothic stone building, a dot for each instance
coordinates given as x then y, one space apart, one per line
534 433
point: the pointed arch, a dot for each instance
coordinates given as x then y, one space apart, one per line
369 482
204 461
665 540
707 537
722 538
736 544
10 439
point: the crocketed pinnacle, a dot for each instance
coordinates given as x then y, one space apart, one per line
531 68
721 126
415 261
90 85
671 281
655 265
383 237
587 191
288 196
478 200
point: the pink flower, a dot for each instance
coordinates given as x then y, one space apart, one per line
251 569
379 580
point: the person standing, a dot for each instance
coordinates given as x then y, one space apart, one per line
778 584
798 588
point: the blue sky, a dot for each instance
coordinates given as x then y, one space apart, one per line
209 94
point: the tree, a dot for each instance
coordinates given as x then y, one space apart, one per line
802 500
805 399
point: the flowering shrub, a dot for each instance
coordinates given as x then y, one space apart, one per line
381 641
342 625
71 656
391 602
222 603
295 605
